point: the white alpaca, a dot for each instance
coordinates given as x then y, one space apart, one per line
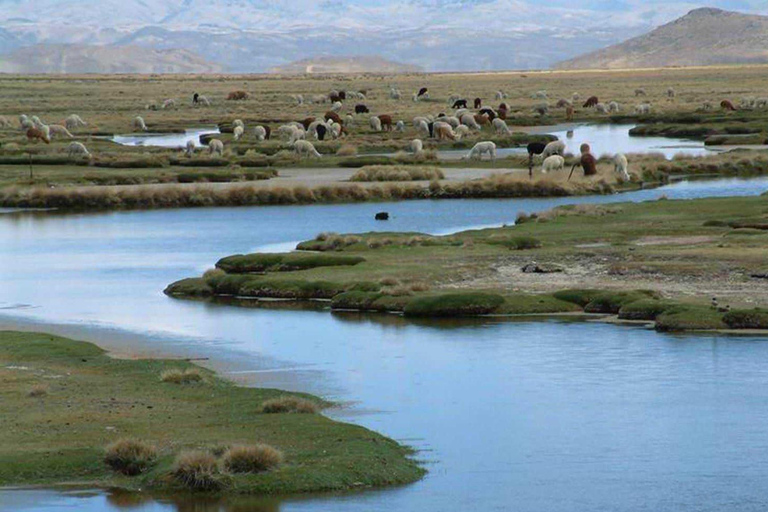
190 148
238 122
416 146
601 108
336 107
375 123
501 127
552 163
139 123
500 95
461 112
303 147
4 122
556 147
423 128
451 120
238 132
319 98
417 120
613 107
620 166
336 130
77 149
639 92
575 96
539 95
74 121
394 93
169 103
215 146
481 148
57 129
469 120
349 119
462 131
400 126
46 130
296 135
298 98
260 133
643 108
37 122
204 101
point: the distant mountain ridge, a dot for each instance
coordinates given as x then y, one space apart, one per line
79 59
345 64
705 36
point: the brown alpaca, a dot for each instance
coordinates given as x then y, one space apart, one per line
478 103
587 162
386 122
33 135
591 102
482 120
444 132
306 122
727 105
502 113
569 113
238 96
334 116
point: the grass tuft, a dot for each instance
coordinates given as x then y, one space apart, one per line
251 459
289 404
197 470
130 456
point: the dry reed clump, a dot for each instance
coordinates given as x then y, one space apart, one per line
389 281
420 287
38 390
130 456
375 243
397 173
398 291
251 458
197 471
178 376
589 210
347 150
289 404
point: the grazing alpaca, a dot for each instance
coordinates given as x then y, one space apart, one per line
238 96
190 148
459 104
587 162
478 103
375 123
727 105
77 148
361 109
591 102
482 120
386 122
569 113
423 92
481 148
305 148
501 127
444 131
57 129
215 146
562 103
620 166
488 112
333 116
534 148
307 121
556 147
320 132
639 92
552 163
35 134
416 146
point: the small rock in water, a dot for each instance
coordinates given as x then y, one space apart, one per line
382 216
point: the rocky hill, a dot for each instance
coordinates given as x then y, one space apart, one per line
702 37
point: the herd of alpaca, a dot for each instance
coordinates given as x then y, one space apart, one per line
458 123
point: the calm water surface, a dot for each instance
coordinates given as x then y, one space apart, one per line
530 416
